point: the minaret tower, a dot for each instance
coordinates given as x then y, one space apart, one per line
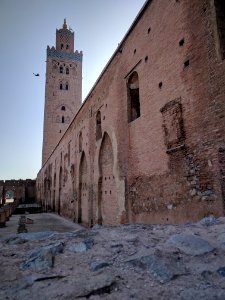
63 88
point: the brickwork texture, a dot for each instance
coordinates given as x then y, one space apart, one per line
148 143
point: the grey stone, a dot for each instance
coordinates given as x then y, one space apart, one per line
78 247
207 193
159 268
190 244
197 293
21 238
32 236
15 240
221 271
54 248
42 260
209 221
82 246
95 285
84 233
89 243
43 257
97 265
221 240
193 192
97 226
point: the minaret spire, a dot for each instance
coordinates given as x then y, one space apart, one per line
64 24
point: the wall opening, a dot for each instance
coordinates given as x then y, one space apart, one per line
69 154
107 201
61 69
80 141
220 18
181 42
63 108
98 126
60 189
186 63
133 97
63 119
83 204
67 71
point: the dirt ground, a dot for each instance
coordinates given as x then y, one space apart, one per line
58 259
42 222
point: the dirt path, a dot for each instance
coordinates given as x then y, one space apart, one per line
42 222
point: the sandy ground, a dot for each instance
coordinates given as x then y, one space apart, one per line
138 261
42 222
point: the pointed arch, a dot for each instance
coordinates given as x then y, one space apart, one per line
107 196
60 189
83 207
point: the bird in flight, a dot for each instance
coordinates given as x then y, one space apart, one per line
36 74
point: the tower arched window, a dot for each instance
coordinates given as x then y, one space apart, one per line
61 69
67 46
63 108
63 120
61 86
67 71
133 97
67 86
61 46
98 126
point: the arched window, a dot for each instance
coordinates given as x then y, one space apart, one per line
63 108
61 86
63 121
61 69
67 71
98 126
61 46
220 16
133 97
67 46
67 86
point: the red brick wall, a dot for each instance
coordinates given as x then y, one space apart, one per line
167 163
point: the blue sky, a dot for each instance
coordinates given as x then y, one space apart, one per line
27 27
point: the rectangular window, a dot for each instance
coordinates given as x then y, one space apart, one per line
220 18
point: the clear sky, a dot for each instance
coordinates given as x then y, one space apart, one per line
27 27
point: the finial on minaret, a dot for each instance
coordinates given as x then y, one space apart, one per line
64 24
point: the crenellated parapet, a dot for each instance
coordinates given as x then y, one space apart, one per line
53 53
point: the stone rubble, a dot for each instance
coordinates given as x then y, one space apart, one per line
136 261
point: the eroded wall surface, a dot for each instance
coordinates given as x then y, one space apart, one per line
148 143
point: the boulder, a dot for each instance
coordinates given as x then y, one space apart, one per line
162 269
190 244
